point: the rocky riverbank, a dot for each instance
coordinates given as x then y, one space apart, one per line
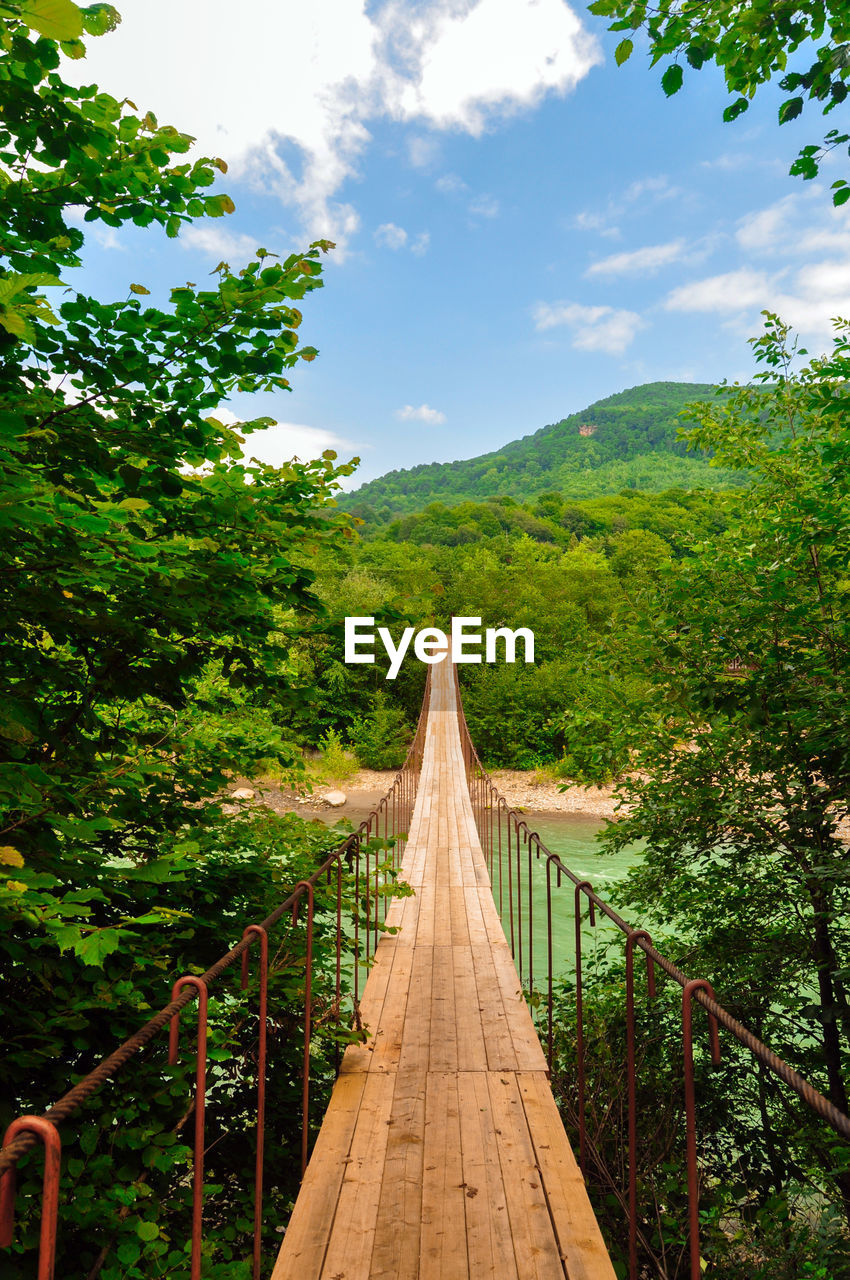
356 796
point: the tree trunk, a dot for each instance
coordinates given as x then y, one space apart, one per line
826 963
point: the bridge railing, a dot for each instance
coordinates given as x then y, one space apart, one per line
362 860
512 851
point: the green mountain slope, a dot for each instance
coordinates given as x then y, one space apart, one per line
626 441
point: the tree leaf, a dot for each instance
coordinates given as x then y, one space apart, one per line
98 19
10 857
735 109
671 81
790 110
56 19
623 51
97 945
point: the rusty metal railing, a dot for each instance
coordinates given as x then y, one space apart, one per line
366 851
512 850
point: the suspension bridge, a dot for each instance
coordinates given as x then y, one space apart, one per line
441 1155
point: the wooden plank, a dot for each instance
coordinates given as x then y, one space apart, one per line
475 926
357 1056
304 1244
416 1037
443 1253
470 1032
529 1051
488 1230
501 1054
395 1255
349 1251
441 935
490 915
534 1240
580 1240
458 926
426 923
386 1044
443 1048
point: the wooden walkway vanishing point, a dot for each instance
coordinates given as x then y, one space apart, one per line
442 1155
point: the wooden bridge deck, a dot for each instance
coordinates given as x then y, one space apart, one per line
442 1154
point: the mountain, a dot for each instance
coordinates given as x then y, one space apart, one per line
626 441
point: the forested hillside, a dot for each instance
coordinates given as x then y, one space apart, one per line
674 515
626 441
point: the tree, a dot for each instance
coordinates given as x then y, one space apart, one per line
751 41
741 759
154 583
126 574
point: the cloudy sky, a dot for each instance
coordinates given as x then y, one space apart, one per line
522 227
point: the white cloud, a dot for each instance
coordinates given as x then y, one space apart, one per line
389 236
829 279
217 242
647 191
424 413
651 189
494 56
285 92
283 441
600 222
450 184
758 231
730 291
818 292
594 328
484 206
798 224
767 230
639 261
422 151
107 237
816 240
729 162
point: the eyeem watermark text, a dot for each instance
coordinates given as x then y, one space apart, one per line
431 645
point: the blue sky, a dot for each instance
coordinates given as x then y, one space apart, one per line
522 226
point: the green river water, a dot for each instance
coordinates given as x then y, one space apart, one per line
573 838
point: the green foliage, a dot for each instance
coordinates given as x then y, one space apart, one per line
628 440
659 524
335 763
739 742
127 1157
767 1209
752 43
155 588
129 579
568 570
381 739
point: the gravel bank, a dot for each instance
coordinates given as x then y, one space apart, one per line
519 788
